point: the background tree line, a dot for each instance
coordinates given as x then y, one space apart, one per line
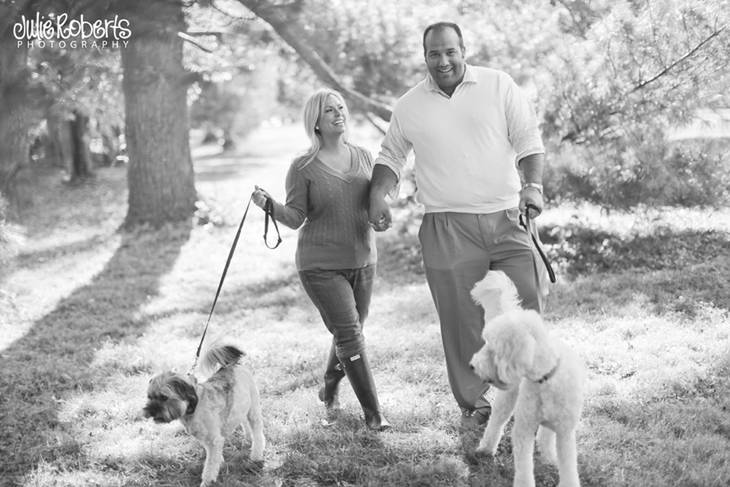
609 80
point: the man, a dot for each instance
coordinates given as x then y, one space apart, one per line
471 129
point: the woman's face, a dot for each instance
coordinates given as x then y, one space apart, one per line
332 119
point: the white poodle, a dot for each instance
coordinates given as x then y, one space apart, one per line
537 377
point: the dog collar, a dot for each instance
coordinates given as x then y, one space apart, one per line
547 376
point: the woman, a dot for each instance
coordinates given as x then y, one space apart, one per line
327 192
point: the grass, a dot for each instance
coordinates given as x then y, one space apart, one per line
88 314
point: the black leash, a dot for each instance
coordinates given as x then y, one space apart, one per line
269 214
528 227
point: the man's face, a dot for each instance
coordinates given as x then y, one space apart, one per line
445 58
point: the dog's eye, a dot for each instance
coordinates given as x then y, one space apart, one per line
162 397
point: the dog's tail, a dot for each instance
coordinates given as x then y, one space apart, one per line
496 293
220 354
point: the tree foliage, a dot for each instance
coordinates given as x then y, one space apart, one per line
609 78
638 70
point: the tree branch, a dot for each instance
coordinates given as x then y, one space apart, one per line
282 19
188 38
374 123
215 6
218 35
686 56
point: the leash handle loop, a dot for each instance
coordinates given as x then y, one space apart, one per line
269 215
526 224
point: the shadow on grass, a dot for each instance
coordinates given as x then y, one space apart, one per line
581 250
685 290
691 266
38 258
348 454
52 361
680 438
237 469
498 470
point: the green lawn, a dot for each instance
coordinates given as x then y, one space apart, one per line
88 314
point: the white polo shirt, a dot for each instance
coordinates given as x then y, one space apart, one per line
466 146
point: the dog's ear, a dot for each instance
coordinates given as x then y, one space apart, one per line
185 391
496 293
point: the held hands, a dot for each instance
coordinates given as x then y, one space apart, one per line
379 214
531 201
260 196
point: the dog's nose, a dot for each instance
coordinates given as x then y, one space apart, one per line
471 367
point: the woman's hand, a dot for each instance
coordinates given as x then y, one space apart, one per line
260 196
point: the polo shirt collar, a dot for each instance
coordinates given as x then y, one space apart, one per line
469 77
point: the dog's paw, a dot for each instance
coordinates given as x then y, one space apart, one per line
485 451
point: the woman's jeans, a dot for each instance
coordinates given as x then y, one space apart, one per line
342 297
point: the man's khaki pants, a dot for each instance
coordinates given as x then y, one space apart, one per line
458 249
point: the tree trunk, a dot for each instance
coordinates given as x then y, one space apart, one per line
60 141
160 172
16 116
81 167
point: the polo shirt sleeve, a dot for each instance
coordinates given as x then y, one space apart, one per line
293 213
394 148
522 128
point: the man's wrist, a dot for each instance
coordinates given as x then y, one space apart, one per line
537 186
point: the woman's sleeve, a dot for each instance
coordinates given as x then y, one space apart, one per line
294 212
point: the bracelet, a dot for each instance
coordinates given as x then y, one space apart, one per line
537 186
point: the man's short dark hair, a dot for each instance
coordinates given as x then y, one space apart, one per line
439 26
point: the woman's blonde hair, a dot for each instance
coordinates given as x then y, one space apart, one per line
312 110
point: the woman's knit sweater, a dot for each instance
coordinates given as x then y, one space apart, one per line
333 206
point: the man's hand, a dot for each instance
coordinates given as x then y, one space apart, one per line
533 197
379 214
383 181
531 194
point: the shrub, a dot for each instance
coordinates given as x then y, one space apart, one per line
691 173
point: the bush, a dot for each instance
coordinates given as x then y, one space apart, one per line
691 173
696 174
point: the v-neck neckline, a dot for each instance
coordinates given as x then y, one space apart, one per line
344 175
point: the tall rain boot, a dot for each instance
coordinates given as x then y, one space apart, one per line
333 374
358 372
